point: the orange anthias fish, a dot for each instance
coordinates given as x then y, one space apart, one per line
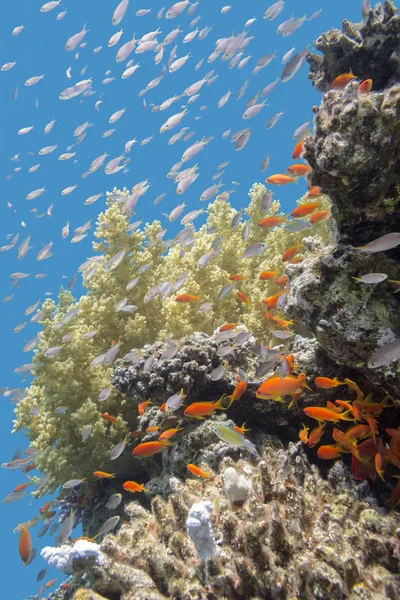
268 275
228 326
280 179
104 475
25 545
187 298
199 410
304 209
50 583
241 429
326 383
319 216
298 149
270 301
329 451
152 428
198 472
298 170
363 467
379 466
365 86
290 252
132 486
109 418
303 434
319 413
45 507
341 81
284 324
282 280
314 192
275 387
316 434
169 433
243 298
142 406
148 449
268 222
29 468
237 277
21 487
296 260
239 390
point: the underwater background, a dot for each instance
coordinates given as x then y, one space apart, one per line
293 503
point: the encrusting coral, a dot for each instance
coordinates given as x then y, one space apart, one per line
297 535
64 395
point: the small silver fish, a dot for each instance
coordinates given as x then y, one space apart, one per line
109 525
219 371
254 250
371 278
66 528
384 355
72 483
381 244
114 501
225 350
118 449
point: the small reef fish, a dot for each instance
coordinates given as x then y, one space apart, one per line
198 472
169 433
132 486
200 410
341 81
114 501
319 216
275 387
242 430
187 298
25 545
319 413
304 210
234 438
147 449
280 179
326 383
142 406
104 475
371 278
365 86
108 526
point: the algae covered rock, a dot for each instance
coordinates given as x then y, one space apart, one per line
297 531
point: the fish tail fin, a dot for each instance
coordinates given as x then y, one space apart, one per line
357 278
344 417
145 490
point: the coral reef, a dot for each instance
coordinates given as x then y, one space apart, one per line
66 394
355 147
370 48
298 535
69 558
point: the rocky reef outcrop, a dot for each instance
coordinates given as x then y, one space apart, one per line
297 535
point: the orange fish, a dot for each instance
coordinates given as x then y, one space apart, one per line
280 179
314 192
270 301
298 149
148 449
142 405
243 298
239 390
241 429
45 507
228 326
187 298
137 433
378 466
316 434
326 383
329 452
104 475
358 432
282 280
340 437
365 86
304 209
303 434
50 583
237 277
267 275
66 586
298 170
363 466
296 260
275 387
268 222
290 252
169 433
284 324
152 428
163 407
109 418
199 410
197 471
319 413
340 82
319 216
21 487
132 486
29 468
25 545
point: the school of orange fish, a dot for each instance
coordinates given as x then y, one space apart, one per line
370 455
